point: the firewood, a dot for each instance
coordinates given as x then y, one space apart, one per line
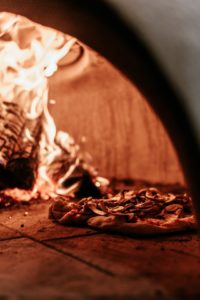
18 152
12 122
23 164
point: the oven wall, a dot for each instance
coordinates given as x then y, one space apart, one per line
123 134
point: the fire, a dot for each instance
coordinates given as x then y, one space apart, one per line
29 54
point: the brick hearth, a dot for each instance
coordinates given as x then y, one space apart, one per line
43 260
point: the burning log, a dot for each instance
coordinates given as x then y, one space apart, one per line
23 164
18 152
11 127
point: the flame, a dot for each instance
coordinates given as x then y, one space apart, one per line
29 54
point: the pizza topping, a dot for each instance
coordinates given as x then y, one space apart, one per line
173 208
130 206
94 208
144 205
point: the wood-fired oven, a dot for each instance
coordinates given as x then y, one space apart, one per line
127 93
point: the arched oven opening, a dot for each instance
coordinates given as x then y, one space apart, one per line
74 128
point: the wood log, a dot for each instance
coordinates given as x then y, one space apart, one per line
18 153
12 122
23 164
11 127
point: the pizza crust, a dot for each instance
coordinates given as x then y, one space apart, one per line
112 224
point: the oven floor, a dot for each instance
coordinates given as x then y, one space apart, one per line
43 260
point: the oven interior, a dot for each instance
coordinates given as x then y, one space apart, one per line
111 118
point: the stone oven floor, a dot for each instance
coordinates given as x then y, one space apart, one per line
43 260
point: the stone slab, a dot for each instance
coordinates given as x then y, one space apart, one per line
175 265
32 271
32 220
6 233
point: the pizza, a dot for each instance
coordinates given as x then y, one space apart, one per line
143 212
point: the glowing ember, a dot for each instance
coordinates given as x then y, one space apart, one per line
29 54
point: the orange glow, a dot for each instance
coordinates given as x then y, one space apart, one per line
29 54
